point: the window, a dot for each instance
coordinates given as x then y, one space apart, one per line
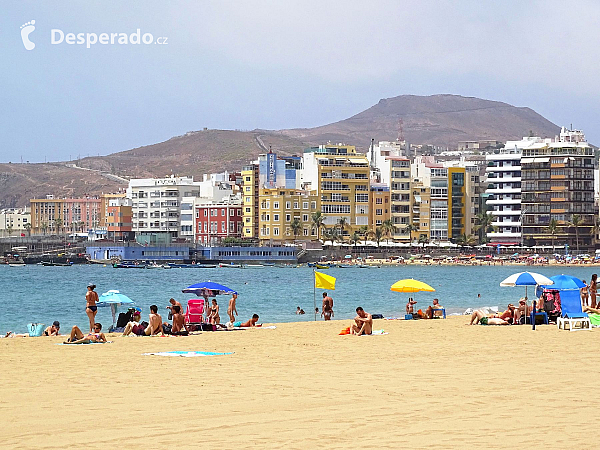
288 205
275 205
304 217
213 213
222 213
288 217
305 231
197 214
313 205
205 212
362 197
223 227
247 188
276 219
247 200
295 205
248 179
378 200
248 210
205 226
304 205
378 212
275 231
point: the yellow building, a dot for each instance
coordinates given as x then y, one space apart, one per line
250 193
420 211
278 209
379 210
340 176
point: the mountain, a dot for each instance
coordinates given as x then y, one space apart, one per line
442 120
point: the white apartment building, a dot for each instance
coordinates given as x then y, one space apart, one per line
504 193
13 220
426 171
156 203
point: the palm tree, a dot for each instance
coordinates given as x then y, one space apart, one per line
10 230
27 227
44 227
576 222
363 230
317 219
484 225
59 224
553 229
376 234
423 240
342 223
330 234
296 227
355 239
410 229
388 228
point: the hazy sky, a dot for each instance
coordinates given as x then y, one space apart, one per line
246 65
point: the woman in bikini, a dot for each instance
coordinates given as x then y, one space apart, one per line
584 294
91 298
593 288
214 315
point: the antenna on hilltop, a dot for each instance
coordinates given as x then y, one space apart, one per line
400 130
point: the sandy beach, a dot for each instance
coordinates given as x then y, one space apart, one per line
427 384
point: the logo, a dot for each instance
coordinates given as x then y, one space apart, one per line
26 30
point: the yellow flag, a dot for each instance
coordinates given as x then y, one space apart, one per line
323 281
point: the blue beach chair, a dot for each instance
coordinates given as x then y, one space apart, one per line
571 312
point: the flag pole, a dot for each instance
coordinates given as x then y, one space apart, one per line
315 294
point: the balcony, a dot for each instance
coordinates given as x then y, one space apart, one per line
506 224
502 235
506 213
501 190
505 201
502 169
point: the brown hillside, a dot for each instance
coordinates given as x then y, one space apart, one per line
437 119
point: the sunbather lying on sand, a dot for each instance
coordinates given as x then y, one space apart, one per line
77 337
587 309
479 317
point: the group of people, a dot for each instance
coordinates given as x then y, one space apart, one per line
589 292
327 308
429 313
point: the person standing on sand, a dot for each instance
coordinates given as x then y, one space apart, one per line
327 298
214 317
91 298
327 311
584 295
231 309
593 288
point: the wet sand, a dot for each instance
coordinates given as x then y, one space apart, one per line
427 384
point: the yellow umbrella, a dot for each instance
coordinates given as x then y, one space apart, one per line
410 285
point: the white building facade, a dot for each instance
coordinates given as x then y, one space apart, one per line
13 221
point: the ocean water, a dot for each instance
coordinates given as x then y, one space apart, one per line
44 294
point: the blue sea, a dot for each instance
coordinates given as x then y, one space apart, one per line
44 294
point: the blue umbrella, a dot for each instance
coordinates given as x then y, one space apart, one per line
562 283
526 279
113 298
208 288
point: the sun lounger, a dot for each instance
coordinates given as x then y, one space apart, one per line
572 316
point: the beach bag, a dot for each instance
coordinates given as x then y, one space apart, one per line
124 319
35 329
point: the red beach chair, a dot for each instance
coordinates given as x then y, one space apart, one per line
194 311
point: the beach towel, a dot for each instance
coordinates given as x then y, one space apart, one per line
595 320
376 333
190 354
85 343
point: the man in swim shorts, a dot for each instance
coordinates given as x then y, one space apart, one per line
432 309
77 337
248 324
363 323
479 317
231 308
327 298
179 328
155 325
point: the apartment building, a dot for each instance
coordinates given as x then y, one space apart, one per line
117 217
340 176
250 193
156 204
217 221
558 184
421 213
58 215
457 196
400 196
14 221
380 204
504 192
278 209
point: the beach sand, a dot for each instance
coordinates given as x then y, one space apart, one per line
427 384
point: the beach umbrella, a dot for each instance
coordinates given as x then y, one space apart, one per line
114 299
526 279
208 288
563 283
409 285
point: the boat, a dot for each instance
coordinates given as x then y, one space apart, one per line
253 266
153 266
235 266
52 263
311 264
17 264
345 266
322 266
129 266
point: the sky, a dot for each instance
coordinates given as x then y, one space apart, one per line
276 64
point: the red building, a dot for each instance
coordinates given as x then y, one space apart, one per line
217 221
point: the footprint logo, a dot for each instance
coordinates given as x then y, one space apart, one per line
26 30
